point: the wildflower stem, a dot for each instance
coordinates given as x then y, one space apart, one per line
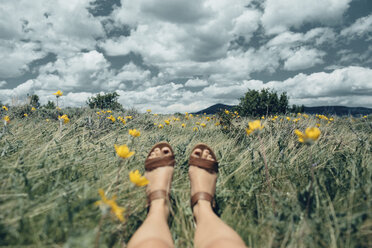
60 126
311 182
118 174
267 174
96 243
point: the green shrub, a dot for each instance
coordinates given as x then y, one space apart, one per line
105 101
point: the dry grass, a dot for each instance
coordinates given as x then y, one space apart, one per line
49 180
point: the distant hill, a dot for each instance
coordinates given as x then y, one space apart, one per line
325 110
338 110
215 108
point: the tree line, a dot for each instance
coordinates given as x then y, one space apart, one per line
253 103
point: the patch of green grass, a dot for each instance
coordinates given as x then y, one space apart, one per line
49 180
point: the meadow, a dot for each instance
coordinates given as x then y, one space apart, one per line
316 195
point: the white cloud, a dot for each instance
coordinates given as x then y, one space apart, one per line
351 86
196 83
315 36
280 15
303 59
15 57
247 23
61 26
3 83
361 27
175 40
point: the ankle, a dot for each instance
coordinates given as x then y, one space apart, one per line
159 207
202 208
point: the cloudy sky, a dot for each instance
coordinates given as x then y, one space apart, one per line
185 55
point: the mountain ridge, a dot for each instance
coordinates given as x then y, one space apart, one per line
326 110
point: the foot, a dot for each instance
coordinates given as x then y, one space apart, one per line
159 179
202 180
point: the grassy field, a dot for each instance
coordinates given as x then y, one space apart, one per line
49 179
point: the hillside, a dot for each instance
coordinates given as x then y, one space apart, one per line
49 179
325 110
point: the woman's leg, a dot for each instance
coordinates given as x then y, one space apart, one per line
210 231
154 231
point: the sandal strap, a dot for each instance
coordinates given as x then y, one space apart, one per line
202 196
154 163
211 166
157 194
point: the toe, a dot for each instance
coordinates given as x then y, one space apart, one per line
152 155
206 152
209 157
157 152
166 151
197 153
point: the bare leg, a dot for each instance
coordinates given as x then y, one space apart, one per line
154 231
210 231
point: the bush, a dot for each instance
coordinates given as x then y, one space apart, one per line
106 101
264 102
34 101
50 105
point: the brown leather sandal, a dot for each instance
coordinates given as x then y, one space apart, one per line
211 167
151 164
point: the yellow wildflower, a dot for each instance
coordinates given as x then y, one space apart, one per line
208 118
58 108
195 129
263 117
58 93
254 126
217 124
134 132
129 117
111 118
183 125
25 115
148 111
111 204
318 125
227 112
109 111
365 117
197 123
5 108
98 113
123 151
203 125
161 126
167 122
64 118
288 118
136 178
47 120
310 135
155 114
6 118
33 109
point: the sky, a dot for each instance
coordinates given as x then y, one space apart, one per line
184 56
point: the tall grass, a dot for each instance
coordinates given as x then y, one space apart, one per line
49 180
